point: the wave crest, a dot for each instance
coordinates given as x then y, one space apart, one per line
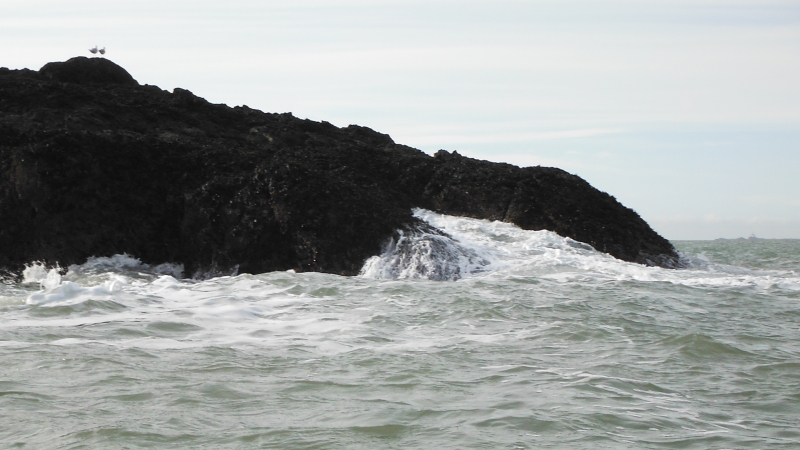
425 252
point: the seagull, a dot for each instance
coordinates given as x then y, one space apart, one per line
102 51
94 49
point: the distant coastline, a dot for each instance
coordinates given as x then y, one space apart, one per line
753 237
743 239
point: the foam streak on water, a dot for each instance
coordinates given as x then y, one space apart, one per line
541 343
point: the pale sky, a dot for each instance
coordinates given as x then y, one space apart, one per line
686 111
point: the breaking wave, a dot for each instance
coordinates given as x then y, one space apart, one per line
453 248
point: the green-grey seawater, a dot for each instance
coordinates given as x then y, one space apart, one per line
550 345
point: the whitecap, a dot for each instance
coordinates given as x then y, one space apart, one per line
454 248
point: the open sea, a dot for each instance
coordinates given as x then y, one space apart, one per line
489 338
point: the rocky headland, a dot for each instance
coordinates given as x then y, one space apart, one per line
94 164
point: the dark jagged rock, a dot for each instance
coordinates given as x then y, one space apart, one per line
87 70
94 164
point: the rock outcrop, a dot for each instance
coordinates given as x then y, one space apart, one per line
93 164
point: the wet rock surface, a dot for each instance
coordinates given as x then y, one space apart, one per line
94 164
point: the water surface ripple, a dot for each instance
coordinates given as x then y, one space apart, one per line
547 348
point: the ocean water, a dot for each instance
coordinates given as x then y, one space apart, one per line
488 337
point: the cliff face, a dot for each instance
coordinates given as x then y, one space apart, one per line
92 163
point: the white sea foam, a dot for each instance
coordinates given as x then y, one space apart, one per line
276 309
468 247
68 292
423 253
472 246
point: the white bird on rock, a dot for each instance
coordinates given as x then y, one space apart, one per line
103 51
94 50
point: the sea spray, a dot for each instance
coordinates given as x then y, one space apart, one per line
425 252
